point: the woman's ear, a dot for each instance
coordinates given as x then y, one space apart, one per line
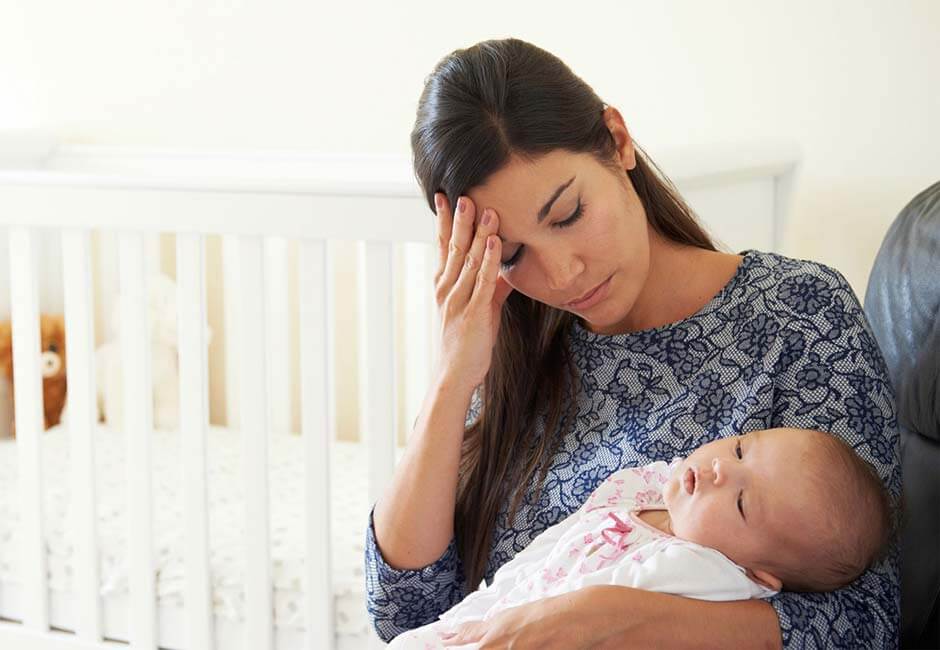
618 129
767 579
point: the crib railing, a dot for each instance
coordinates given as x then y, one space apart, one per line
312 212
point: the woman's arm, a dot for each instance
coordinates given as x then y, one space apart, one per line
413 571
612 617
648 619
414 517
830 375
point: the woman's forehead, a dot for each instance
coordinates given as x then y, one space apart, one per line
542 173
524 192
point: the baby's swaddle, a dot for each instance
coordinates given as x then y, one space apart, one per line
602 543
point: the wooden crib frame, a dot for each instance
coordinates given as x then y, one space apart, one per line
741 192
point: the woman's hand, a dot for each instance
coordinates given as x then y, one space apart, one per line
548 624
468 288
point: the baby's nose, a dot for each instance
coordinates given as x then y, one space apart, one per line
718 472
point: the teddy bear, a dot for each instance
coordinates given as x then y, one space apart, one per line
52 342
164 360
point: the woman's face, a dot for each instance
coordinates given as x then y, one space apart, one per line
568 224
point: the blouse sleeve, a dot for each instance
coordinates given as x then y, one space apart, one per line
403 599
829 375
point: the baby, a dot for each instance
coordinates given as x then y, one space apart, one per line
741 517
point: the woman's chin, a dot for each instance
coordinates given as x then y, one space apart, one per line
600 323
608 321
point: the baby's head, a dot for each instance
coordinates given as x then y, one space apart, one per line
799 509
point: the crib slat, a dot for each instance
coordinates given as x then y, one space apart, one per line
138 429
433 313
276 285
421 340
315 337
82 418
194 419
254 424
377 378
232 327
27 386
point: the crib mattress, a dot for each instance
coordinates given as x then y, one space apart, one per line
349 513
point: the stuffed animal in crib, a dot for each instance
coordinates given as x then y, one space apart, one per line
164 359
52 342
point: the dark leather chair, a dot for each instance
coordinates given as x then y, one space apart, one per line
903 306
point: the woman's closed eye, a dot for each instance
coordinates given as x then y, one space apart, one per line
570 221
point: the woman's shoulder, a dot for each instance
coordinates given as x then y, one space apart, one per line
776 268
798 288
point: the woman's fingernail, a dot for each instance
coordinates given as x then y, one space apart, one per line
437 201
461 204
486 217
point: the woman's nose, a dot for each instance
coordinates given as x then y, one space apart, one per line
562 271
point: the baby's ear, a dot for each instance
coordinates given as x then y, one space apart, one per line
767 579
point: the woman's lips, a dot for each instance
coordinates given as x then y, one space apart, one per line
688 481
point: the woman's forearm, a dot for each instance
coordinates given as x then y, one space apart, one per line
414 517
636 618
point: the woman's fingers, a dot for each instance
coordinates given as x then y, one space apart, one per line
468 331
479 261
489 286
458 246
463 634
445 222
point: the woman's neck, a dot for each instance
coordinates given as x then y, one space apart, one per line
682 279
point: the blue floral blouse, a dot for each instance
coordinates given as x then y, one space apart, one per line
784 343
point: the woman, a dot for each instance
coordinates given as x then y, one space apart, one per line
589 324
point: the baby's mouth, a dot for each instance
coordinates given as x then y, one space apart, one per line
688 481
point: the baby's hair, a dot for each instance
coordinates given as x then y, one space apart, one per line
859 523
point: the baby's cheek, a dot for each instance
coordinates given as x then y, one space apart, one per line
689 526
669 491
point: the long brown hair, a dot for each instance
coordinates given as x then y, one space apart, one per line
479 106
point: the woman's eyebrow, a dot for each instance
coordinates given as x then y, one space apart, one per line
545 209
543 212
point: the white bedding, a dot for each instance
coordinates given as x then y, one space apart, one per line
349 510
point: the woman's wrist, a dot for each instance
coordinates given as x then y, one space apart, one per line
452 381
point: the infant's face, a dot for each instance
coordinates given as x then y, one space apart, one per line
742 495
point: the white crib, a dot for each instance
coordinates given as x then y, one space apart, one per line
258 202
